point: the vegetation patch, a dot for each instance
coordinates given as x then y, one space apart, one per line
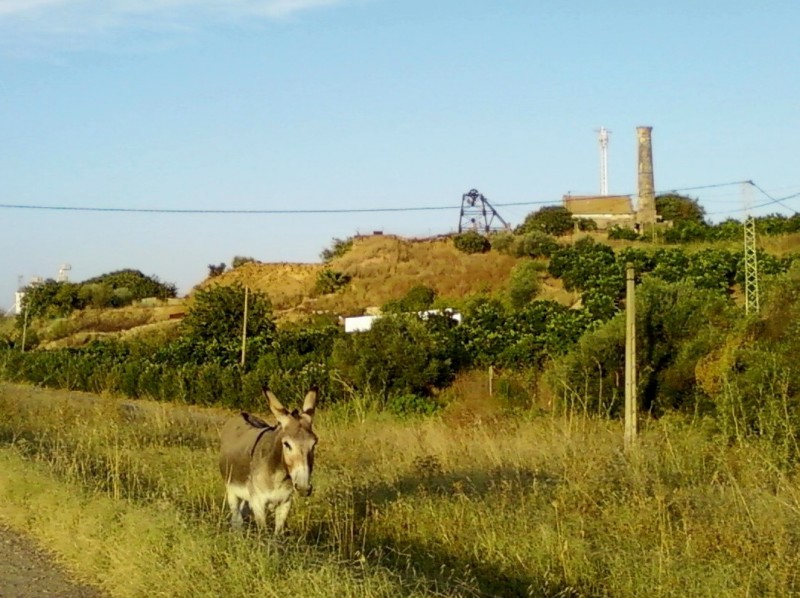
518 506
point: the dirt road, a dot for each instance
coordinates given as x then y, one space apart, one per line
28 572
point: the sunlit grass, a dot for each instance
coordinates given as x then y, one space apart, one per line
129 494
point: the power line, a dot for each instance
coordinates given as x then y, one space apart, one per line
254 211
128 210
772 201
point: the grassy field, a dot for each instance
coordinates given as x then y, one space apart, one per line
509 505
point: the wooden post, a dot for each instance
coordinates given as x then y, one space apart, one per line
244 326
491 380
631 406
24 329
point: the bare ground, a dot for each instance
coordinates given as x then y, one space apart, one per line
27 571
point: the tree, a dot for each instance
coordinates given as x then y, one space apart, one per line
553 220
212 328
679 208
523 284
216 270
400 354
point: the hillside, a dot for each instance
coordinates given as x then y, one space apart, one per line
381 268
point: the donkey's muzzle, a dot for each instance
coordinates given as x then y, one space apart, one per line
305 491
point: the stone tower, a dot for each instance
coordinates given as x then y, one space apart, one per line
646 212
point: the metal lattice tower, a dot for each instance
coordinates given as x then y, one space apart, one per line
751 291
478 214
603 140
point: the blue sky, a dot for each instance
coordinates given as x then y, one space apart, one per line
315 104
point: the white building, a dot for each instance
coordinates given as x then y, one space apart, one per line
364 323
18 297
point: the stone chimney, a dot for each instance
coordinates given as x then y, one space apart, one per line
646 213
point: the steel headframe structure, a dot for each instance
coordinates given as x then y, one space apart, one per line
478 214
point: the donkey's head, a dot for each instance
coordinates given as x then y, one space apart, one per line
297 439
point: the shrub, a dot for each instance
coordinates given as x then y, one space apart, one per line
411 404
687 231
241 260
330 281
523 284
418 298
535 244
503 242
623 233
471 242
338 248
214 271
398 355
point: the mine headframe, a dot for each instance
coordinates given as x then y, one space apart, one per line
479 215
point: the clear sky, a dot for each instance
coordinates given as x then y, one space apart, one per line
318 104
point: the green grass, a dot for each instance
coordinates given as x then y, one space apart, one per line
510 506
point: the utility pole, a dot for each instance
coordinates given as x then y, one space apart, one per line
631 406
751 291
24 328
244 327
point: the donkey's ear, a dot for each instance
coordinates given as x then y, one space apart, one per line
310 402
278 410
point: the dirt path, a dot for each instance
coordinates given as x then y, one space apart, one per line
28 572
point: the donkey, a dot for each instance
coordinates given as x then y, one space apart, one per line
264 465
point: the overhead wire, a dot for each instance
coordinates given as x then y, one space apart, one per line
66 208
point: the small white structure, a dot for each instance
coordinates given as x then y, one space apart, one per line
364 323
63 273
18 297
359 323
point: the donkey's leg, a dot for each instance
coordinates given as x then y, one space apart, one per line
281 513
235 506
259 508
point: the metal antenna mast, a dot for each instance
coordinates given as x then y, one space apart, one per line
751 291
603 140
478 214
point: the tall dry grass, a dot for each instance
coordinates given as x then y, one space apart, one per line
512 506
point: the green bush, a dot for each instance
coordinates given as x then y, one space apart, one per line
411 404
471 242
400 354
524 284
679 209
687 231
677 325
535 244
216 270
551 220
623 233
503 242
329 281
418 298
212 328
241 260
338 248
